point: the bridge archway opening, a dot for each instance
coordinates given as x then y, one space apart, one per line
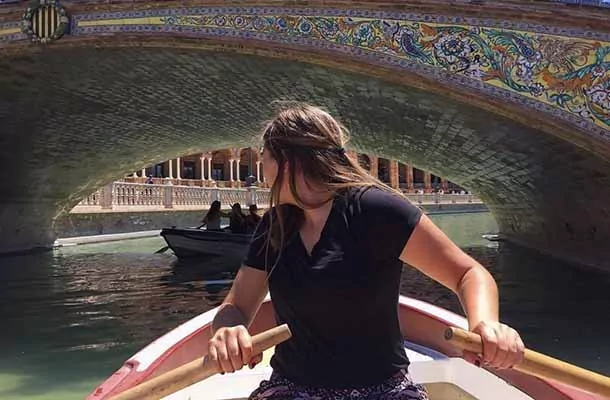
123 109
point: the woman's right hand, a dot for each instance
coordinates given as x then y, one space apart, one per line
231 348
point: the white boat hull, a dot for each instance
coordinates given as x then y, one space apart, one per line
445 378
434 362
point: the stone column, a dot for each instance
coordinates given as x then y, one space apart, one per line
251 196
427 182
210 168
168 196
178 168
143 172
234 153
134 175
374 170
106 195
202 159
409 176
258 171
237 177
393 170
171 169
214 194
231 170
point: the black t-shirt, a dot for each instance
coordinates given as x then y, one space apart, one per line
341 303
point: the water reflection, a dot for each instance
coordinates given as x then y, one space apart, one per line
73 316
211 283
561 309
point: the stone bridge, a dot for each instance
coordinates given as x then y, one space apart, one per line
510 99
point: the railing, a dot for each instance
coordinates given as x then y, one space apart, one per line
137 197
126 194
438 198
92 200
594 3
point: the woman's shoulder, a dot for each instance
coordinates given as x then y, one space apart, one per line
386 219
371 197
380 205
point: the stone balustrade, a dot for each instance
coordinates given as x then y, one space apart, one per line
136 197
594 3
445 198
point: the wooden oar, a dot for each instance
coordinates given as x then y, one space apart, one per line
197 370
539 365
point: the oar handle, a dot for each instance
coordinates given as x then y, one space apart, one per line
538 364
197 370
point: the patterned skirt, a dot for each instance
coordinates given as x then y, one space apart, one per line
398 387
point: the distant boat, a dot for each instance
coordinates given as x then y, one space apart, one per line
190 243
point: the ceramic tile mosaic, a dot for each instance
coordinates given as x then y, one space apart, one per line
560 71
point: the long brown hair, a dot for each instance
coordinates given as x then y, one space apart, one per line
310 140
213 213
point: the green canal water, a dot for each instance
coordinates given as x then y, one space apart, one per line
71 317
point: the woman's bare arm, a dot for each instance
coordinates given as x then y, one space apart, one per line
243 300
433 253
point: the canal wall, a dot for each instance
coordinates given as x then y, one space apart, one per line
453 208
90 224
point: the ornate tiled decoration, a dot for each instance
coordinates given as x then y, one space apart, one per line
44 21
564 72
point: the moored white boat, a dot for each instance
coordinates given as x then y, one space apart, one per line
434 362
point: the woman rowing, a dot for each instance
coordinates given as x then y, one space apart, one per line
330 251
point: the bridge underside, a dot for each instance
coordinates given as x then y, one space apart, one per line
74 119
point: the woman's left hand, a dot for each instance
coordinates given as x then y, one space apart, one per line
502 346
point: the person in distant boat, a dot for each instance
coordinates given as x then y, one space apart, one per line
212 218
253 218
237 219
149 180
331 250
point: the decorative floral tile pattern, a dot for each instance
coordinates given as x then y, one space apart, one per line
564 72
